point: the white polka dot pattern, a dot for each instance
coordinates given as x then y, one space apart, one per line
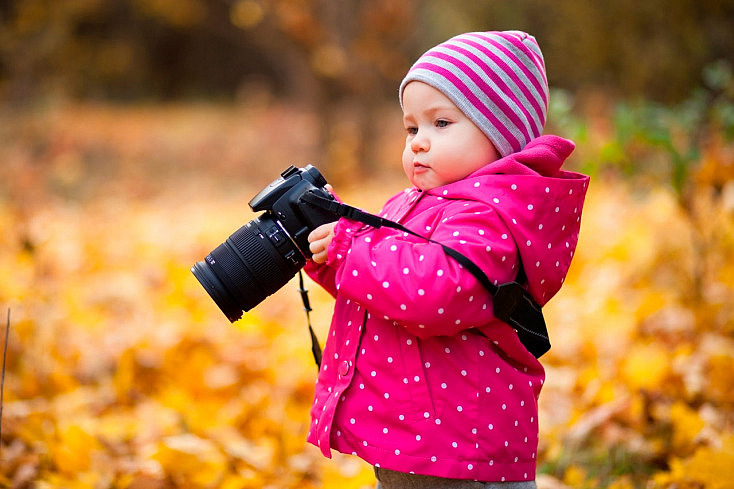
407 381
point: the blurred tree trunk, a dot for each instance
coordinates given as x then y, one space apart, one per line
361 57
337 59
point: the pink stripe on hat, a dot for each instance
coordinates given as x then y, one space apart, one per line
538 106
535 58
502 106
468 102
507 100
496 78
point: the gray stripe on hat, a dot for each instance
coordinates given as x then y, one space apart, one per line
440 83
485 98
512 85
522 58
532 126
520 54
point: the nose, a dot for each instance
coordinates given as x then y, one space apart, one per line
420 142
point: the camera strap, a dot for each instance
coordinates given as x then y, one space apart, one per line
512 303
315 346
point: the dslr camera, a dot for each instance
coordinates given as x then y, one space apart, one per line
264 254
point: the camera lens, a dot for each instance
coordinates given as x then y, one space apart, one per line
253 263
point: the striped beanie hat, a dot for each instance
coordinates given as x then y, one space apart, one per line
496 78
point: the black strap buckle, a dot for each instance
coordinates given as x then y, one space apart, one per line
515 306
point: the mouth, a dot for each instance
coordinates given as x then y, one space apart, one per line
418 166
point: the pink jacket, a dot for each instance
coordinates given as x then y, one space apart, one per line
418 375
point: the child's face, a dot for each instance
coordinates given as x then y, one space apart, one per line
442 145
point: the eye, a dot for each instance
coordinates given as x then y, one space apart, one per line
412 131
442 123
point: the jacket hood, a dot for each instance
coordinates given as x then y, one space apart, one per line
540 204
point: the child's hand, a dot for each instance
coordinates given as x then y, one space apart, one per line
319 241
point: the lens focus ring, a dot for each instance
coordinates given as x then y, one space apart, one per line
253 263
229 263
257 249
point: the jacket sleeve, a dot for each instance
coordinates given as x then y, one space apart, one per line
324 273
413 282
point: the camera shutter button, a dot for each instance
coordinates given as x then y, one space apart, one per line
344 368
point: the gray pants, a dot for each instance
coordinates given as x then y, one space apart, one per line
390 479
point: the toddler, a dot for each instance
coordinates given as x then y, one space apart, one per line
419 378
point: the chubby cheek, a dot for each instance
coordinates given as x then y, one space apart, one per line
408 163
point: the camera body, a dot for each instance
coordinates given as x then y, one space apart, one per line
264 254
282 199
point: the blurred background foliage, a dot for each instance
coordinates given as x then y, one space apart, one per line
316 49
133 133
346 58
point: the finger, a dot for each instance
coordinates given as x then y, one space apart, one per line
315 235
316 247
319 233
320 257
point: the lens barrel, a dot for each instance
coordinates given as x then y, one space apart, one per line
253 263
